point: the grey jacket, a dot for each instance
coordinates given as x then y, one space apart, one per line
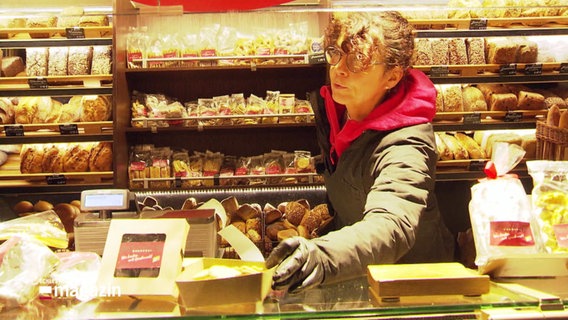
382 196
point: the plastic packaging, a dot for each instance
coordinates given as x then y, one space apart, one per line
500 210
44 226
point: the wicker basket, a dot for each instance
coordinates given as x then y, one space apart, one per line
551 142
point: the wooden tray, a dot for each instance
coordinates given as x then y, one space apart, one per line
452 278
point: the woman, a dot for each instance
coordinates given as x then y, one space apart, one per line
379 155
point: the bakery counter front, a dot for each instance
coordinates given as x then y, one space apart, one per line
350 299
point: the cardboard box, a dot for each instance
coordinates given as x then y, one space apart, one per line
243 289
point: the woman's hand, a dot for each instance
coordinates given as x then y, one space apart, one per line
299 265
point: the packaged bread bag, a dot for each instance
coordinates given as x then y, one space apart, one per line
550 202
500 210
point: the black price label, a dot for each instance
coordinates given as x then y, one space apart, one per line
563 68
478 24
476 165
177 182
472 118
508 69
512 116
439 71
316 58
533 69
14 130
56 179
38 83
75 33
68 129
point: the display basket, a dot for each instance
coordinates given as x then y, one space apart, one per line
551 142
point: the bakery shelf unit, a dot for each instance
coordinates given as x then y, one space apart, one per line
16 86
190 78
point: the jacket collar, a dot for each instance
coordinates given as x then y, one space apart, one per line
413 102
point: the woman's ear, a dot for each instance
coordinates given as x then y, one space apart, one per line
393 76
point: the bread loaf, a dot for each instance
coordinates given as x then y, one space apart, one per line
53 158
57 61
527 51
503 102
12 66
475 50
500 50
440 51
530 101
453 99
36 62
553 116
76 158
95 108
528 143
473 99
100 158
457 51
101 62
79 60
473 149
31 158
439 99
443 151
458 152
511 138
70 17
422 52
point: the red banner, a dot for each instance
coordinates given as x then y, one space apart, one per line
214 5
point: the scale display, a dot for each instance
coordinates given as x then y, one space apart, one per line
105 199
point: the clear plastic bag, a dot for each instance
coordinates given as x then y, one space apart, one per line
550 202
500 210
44 226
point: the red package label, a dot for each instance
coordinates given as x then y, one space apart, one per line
208 53
134 56
137 166
139 252
511 233
241 171
561 234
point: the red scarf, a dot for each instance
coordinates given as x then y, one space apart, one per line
413 102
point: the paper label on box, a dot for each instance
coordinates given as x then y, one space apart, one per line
561 233
510 233
140 255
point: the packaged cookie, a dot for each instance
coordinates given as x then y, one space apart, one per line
271 106
238 107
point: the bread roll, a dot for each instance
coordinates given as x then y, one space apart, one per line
100 158
23 206
42 205
246 211
273 229
295 212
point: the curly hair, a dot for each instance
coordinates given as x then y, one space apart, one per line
385 35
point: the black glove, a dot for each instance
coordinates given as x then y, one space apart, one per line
300 265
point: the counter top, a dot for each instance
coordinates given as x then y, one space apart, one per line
347 299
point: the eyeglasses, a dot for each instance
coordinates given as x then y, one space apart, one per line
356 61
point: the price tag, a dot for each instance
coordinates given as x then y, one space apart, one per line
316 58
476 165
56 179
513 116
14 130
68 129
508 69
563 68
439 71
472 118
478 24
177 182
75 33
533 69
38 83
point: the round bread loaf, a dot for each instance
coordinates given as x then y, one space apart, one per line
295 212
100 158
95 109
53 158
31 158
23 207
42 205
76 158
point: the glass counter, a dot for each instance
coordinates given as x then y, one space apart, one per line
343 300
